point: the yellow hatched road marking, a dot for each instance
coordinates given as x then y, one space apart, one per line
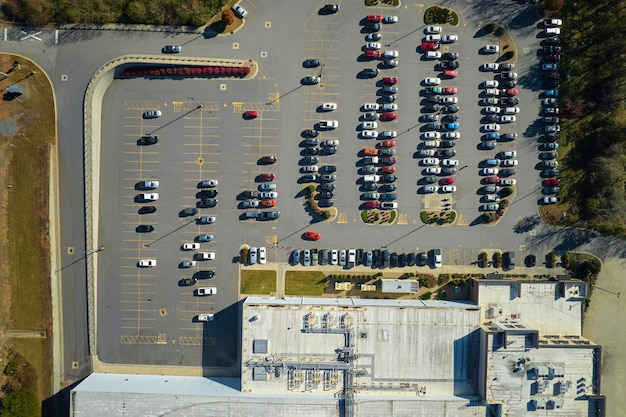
342 218
138 340
141 105
196 341
462 220
402 219
161 339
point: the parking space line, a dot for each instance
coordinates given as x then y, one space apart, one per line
140 170
141 284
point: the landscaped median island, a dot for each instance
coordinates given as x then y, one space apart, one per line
506 194
440 16
379 216
312 205
439 217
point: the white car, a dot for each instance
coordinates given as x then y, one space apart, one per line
373 45
147 263
507 119
437 258
370 106
550 200
369 125
549 102
430 161
492 128
250 203
432 81
492 92
390 19
205 256
388 205
424 153
489 171
149 184
433 29
205 317
430 188
448 189
207 219
191 246
451 135
149 196
553 31
553 22
208 184
329 106
334 257
449 38
507 154
433 54
490 84
388 134
491 49
206 291
309 168
507 181
433 38
449 100
240 11
511 110
431 135
492 109
389 107
389 55
509 163
369 134
491 198
152 114
330 143
450 162
262 255
188 264
491 66
268 195
433 170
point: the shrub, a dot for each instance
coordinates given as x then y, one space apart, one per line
551 260
11 367
426 296
442 279
424 217
503 204
486 217
441 295
327 214
483 260
565 260
228 17
428 281
244 255
22 403
506 191
497 259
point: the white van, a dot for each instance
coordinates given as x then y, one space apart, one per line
371 178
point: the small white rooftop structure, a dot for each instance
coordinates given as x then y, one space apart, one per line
400 285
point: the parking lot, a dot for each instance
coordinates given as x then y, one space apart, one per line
204 135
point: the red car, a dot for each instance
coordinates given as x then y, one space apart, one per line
390 80
250 114
374 18
267 177
312 235
372 54
511 92
430 46
552 181
451 73
389 160
387 144
492 180
388 116
448 90
446 181
372 204
269 159
268 203
388 170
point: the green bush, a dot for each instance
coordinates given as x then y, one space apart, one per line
11 367
442 279
426 296
442 295
310 189
428 280
22 403
424 217
327 214
486 217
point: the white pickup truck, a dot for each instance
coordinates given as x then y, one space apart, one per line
207 291
329 124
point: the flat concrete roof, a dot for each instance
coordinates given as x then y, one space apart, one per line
537 304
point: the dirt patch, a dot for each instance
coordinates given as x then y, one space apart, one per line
27 131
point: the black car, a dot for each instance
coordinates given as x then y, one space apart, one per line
328 169
376 258
449 65
491 118
147 209
311 63
329 151
432 108
310 133
508 83
488 145
390 98
269 215
447 144
551 137
512 101
389 178
311 151
445 153
388 197
393 260
388 187
207 203
552 49
144 228
450 56
371 72
327 186
411 259
548 155
325 203
434 99
531 260
430 117
325 195
185 282
402 260
310 160
508 136
507 172
448 171
370 186
206 274
372 26
451 117
550 110
451 109
331 8
506 66
148 140
552 41
422 259
206 194
430 179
